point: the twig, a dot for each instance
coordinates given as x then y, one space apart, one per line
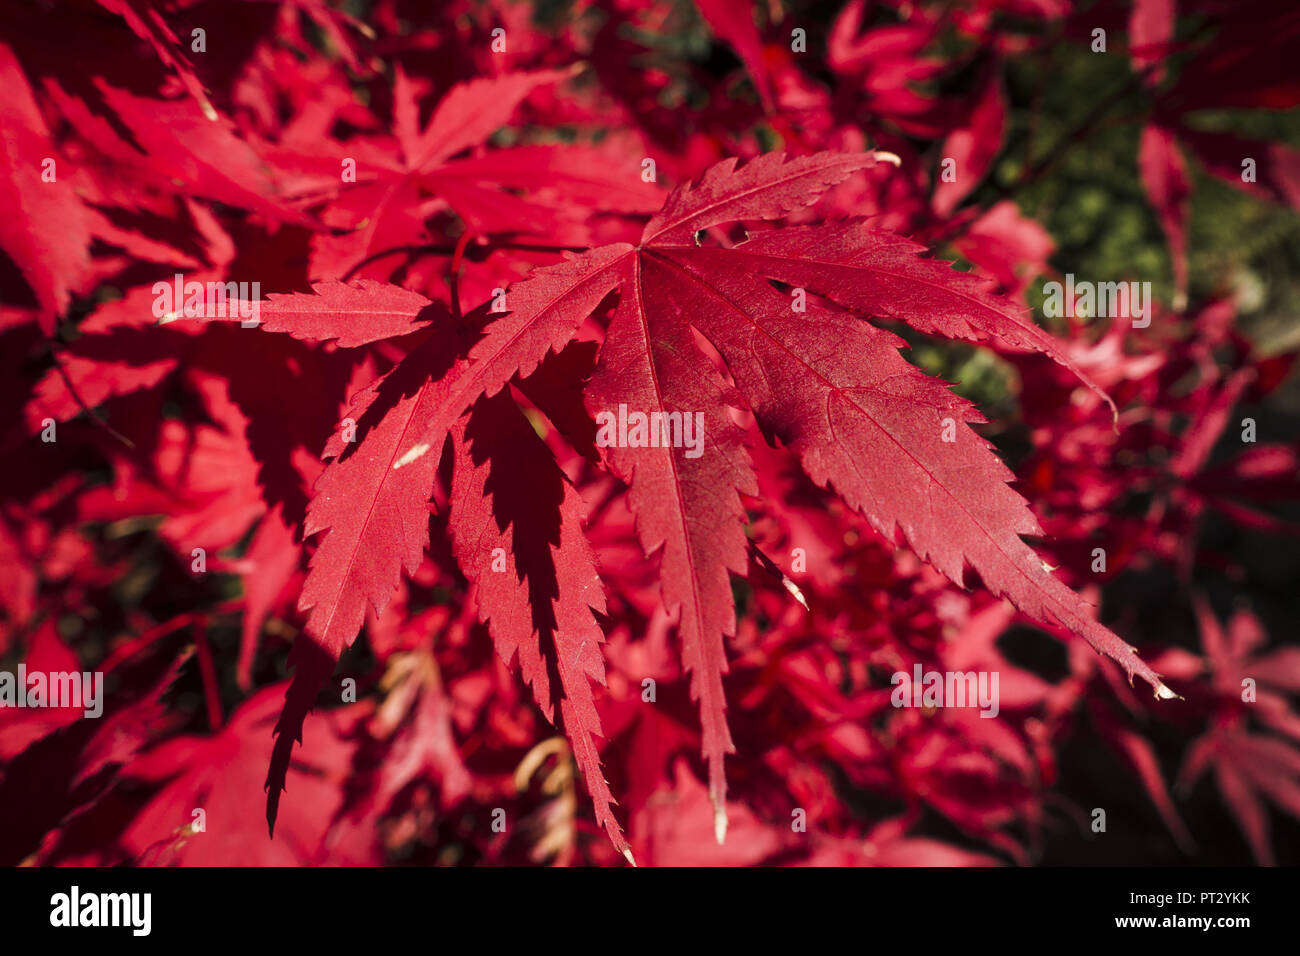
81 403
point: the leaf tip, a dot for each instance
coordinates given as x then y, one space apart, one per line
272 808
720 823
796 592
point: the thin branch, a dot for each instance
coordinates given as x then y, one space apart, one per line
443 249
81 402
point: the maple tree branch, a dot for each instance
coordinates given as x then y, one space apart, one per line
81 402
446 249
208 675
453 279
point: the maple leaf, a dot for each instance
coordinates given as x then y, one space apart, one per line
831 387
220 773
1248 766
149 26
180 144
507 191
73 759
973 147
45 228
351 315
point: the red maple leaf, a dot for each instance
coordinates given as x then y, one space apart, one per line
893 443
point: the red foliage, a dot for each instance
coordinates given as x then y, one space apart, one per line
476 250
